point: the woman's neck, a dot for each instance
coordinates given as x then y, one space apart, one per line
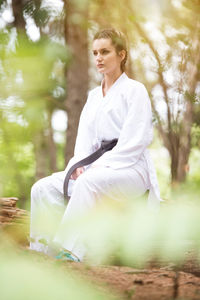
109 79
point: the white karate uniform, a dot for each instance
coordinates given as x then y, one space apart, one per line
124 113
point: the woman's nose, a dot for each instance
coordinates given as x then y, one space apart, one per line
98 57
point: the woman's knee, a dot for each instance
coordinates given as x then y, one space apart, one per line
38 187
34 189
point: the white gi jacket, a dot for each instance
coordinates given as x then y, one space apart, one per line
124 113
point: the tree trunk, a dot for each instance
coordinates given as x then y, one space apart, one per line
193 75
51 143
77 72
19 22
185 144
40 149
174 163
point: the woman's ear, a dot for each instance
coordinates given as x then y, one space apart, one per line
122 54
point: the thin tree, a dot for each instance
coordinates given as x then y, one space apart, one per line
176 130
76 36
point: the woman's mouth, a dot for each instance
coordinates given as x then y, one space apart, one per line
100 65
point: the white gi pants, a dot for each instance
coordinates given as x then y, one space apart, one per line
47 202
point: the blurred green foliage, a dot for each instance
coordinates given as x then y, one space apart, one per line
30 76
25 276
119 233
127 233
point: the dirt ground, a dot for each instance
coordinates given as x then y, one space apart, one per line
142 284
152 283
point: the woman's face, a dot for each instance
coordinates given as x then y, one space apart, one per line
106 58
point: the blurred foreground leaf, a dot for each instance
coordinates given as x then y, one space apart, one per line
132 235
23 277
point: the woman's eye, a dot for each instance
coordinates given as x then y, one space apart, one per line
102 52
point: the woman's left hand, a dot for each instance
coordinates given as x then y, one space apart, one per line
77 173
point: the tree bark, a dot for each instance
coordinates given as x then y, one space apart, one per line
193 75
174 154
51 143
41 150
19 22
77 72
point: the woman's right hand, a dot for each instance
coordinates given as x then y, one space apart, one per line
77 173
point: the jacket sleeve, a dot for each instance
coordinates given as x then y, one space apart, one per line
135 135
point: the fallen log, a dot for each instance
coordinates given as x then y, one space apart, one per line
13 220
8 201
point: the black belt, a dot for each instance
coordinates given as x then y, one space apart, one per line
105 146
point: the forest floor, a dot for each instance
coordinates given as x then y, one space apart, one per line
157 281
150 283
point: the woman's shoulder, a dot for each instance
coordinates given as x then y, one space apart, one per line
132 84
133 90
95 91
92 94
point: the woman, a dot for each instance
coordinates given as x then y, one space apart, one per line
120 108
